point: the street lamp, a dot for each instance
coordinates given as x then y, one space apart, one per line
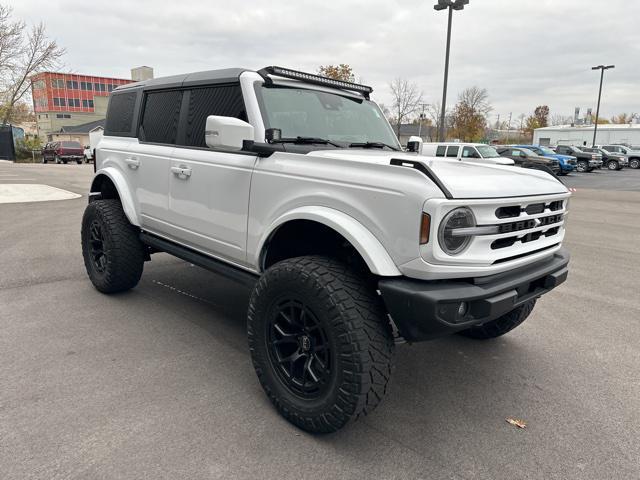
451 5
602 68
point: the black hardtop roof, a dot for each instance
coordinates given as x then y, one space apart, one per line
226 75
231 75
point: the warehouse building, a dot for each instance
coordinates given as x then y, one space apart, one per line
628 133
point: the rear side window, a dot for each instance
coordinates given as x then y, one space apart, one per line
224 100
440 151
120 114
452 152
160 118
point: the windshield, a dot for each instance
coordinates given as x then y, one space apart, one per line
545 151
71 145
301 112
487 152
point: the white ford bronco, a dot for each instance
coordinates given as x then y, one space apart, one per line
295 185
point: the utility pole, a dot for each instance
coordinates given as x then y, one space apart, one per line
424 106
509 127
451 5
602 68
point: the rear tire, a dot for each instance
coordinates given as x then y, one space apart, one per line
320 342
113 253
613 165
501 325
634 163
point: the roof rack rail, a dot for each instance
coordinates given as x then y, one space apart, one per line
365 90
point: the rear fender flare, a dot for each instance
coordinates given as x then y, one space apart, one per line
122 187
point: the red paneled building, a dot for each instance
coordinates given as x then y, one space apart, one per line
68 92
67 99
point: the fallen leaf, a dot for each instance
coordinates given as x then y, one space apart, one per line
517 423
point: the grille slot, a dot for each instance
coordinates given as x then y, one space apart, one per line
508 212
535 208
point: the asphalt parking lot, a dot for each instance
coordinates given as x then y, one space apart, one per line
157 382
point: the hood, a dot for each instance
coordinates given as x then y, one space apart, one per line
464 179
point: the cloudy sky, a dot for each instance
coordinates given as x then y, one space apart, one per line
525 52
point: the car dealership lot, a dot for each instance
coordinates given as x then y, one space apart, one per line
158 383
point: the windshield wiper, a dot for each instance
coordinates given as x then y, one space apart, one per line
372 145
306 141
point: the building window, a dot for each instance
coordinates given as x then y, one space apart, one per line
85 103
59 115
66 115
72 85
60 102
39 85
57 83
90 103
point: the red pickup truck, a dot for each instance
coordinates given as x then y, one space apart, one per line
63 152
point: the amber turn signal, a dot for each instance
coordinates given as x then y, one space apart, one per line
425 227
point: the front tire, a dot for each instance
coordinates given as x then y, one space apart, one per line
613 165
320 342
634 163
113 253
582 166
501 325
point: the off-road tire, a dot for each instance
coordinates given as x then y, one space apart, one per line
124 253
348 308
634 163
502 325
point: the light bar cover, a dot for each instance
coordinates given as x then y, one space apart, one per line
317 79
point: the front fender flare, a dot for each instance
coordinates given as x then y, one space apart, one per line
124 192
368 246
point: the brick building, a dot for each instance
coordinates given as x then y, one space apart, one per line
69 99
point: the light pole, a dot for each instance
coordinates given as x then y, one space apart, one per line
602 68
451 5
422 117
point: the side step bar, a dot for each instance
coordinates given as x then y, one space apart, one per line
243 277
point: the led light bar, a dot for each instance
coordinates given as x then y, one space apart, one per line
315 79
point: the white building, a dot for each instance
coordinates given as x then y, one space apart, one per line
578 135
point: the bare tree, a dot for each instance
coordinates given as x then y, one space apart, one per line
24 53
558 119
406 101
434 112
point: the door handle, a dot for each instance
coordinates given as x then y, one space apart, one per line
182 172
133 163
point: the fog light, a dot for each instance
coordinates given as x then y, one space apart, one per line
462 309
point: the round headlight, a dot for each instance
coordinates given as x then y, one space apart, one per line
451 241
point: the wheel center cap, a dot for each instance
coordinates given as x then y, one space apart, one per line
305 343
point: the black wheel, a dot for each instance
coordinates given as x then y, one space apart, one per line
320 342
582 166
634 163
502 325
79 161
44 160
113 254
613 165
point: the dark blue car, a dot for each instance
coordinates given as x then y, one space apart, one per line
567 162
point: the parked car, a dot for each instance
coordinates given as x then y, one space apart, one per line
88 154
295 185
610 160
632 155
63 152
567 162
586 162
526 158
470 152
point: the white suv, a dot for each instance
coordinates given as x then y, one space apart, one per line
295 184
468 152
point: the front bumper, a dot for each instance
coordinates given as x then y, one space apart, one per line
567 167
423 310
